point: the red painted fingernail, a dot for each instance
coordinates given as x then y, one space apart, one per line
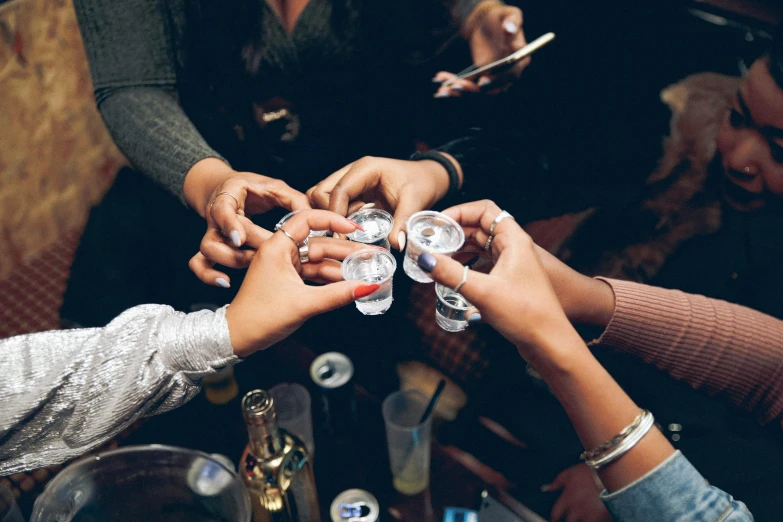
354 223
365 290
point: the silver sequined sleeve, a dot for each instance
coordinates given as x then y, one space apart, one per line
65 392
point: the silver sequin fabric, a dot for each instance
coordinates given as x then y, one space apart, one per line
65 392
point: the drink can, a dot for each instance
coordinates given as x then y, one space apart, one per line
332 373
355 505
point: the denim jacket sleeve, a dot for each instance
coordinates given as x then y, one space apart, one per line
674 492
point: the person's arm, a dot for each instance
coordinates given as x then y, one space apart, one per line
131 52
66 392
725 349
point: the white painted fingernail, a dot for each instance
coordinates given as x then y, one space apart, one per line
484 82
236 239
401 240
457 87
437 80
367 205
442 95
510 27
222 282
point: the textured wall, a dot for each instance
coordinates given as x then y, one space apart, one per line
56 158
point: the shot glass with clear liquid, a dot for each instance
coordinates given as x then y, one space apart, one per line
372 265
376 223
430 232
451 309
313 233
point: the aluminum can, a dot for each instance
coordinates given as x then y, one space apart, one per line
355 505
335 404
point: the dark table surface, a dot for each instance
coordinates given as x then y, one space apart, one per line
361 463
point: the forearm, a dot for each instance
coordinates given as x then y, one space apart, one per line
156 135
597 407
720 347
65 392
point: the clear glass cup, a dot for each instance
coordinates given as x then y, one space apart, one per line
151 483
409 440
372 265
451 309
377 225
430 232
294 412
313 233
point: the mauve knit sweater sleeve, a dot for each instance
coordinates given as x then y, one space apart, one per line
131 47
722 348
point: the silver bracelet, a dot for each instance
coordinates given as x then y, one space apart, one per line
624 446
614 441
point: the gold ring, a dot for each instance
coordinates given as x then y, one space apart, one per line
229 194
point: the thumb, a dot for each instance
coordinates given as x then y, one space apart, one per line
449 272
511 22
336 295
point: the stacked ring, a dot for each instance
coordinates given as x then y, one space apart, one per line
503 215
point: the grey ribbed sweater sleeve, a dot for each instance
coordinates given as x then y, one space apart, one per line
713 345
66 392
131 45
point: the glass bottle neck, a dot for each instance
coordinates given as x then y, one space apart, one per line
261 418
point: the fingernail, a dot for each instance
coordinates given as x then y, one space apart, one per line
546 488
401 240
472 261
437 80
457 87
365 290
222 282
427 262
483 82
354 223
510 27
367 205
236 239
442 95
475 318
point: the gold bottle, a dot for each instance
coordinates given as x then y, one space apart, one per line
275 466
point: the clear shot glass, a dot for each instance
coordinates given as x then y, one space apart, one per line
372 265
430 232
376 223
451 309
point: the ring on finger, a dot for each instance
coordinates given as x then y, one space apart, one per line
304 253
464 278
292 238
229 194
503 215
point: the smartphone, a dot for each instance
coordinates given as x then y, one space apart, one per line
506 62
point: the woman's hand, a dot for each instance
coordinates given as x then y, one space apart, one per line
402 187
224 197
516 297
579 499
493 31
274 301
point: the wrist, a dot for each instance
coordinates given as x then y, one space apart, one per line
557 355
201 180
477 16
443 170
595 303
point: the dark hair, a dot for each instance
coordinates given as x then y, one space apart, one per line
775 55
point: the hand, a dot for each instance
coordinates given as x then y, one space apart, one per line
579 500
516 297
402 187
274 301
495 32
225 197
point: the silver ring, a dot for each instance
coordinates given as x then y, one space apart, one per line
503 215
297 243
229 194
464 278
304 253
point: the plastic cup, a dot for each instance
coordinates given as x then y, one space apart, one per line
372 265
377 225
451 309
409 440
313 233
430 232
294 414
